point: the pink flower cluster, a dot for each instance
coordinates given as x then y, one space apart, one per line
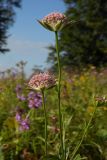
54 21
42 81
54 17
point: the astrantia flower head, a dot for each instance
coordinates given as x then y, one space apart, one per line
42 81
54 21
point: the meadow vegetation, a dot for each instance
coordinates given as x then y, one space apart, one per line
78 94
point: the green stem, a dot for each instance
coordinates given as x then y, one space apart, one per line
45 115
30 111
84 134
59 97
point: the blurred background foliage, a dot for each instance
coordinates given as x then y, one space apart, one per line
84 42
7 15
78 90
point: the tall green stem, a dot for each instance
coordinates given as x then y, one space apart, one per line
59 97
84 134
45 115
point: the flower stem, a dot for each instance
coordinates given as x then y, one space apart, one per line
59 97
84 133
45 115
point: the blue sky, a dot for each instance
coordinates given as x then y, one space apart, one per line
28 39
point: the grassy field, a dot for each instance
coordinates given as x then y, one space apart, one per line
78 92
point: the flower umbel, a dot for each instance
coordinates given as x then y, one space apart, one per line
42 81
54 21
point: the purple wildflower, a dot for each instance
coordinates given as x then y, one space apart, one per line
35 100
24 125
19 113
18 117
31 95
21 97
22 122
18 88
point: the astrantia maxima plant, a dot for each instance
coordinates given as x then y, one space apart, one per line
54 21
42 81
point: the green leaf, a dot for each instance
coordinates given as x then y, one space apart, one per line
78 157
